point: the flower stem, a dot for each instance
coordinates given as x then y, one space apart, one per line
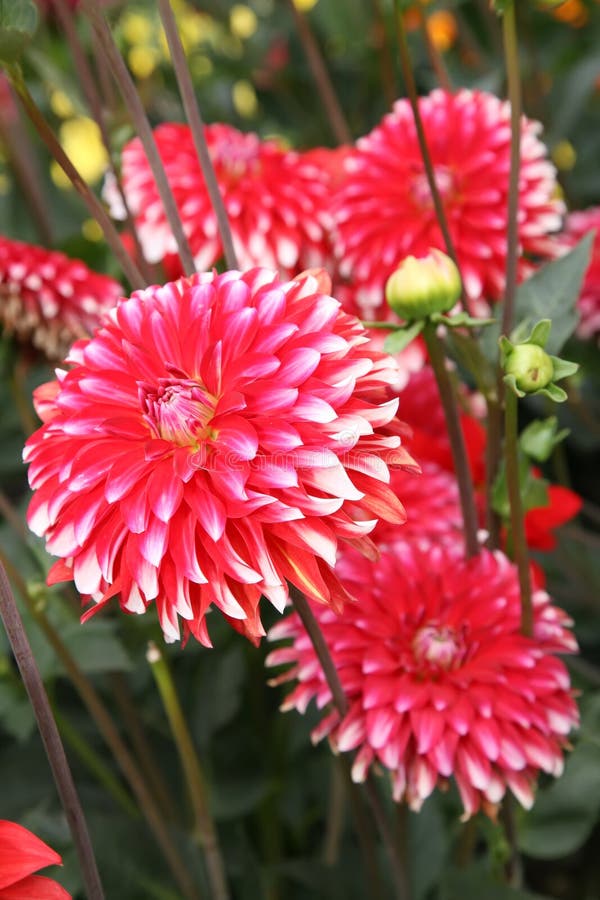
307 617
143 129
110 733
517 522
437 61
96 209
384 53
511 56
192 111
337 119
411 89
206 832
456 437
50 737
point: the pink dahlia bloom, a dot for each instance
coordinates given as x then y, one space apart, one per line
275 199
439 680
48 299
384 211
213 440
579 224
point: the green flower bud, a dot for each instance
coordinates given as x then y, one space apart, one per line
420 287
531 367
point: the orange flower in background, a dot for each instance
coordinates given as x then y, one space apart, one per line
22 854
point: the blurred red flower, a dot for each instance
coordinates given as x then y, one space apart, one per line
22 854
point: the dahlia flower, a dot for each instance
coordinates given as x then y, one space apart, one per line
213 440
275 199
579 224
22 854
49 299
384 210
439 680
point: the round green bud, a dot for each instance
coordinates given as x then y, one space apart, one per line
531 366
420 287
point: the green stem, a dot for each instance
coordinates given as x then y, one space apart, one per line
335 814
383 50
331 104
94 206
517 521
96 765
143 129
192 111
411 90
206 832
511 56
456 437
50 737
105 724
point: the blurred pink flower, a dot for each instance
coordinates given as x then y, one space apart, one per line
22 854
276 199
439 680
384 210
215 439
48 299
577 225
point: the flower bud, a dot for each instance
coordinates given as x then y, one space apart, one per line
420 287
531 367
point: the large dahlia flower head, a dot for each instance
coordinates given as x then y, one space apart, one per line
440 681
383 209
276 199
213 441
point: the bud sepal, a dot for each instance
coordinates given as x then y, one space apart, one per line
529 369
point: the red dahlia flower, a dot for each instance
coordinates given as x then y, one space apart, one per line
48 298
275 199
439 680
214 439
384 211
578 224
22 854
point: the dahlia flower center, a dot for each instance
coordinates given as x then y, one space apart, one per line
178 410
420 186
439 645
237 158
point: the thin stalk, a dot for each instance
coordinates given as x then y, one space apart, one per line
314 57
364 831
94 206
437 62
50 737
511 56
456 437
194 117
88 84
306 615
411 90
22 161
517 519
141 745
110 733
143 129
492 459
205 830
96 765
335 814
513 868
397 855
22 397
384 54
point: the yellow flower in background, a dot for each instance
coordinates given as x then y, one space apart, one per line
442 29
61 105
564 156
305 5
92 231
143 61
242 21
244 99
82 142
137 28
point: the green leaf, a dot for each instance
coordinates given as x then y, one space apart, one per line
18 21
468 353
534 490
565 813
540 438
402 337
477 883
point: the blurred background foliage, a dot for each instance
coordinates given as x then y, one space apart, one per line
275 797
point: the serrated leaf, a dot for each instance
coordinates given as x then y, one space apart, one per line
402 337
18 21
